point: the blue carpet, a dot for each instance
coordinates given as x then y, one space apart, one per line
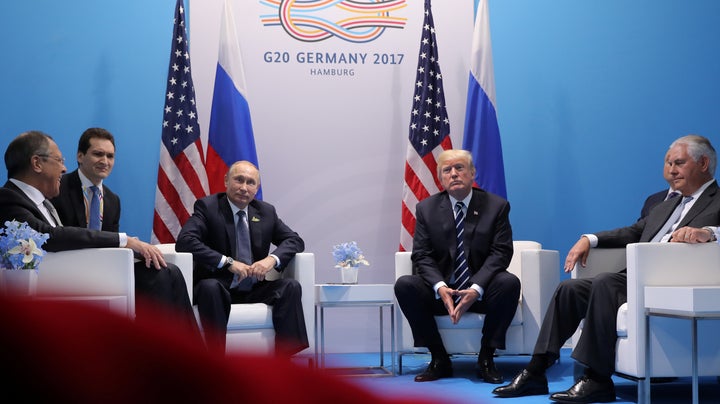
465 387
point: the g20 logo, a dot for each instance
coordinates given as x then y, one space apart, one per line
351 20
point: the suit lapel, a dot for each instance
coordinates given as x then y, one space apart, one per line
229 220
448 226
255 228
658 216
31 205
700 205
473 214
77 199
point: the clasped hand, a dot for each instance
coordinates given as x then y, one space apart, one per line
467 298
257 269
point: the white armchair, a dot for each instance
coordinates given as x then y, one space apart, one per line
100 276
539 274
250 326
660 264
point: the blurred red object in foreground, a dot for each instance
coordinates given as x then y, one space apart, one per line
63 351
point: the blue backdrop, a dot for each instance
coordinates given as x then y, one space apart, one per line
589 95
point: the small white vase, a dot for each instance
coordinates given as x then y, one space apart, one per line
349 275
19 282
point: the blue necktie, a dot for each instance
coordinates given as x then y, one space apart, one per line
95 223
242 251
461 275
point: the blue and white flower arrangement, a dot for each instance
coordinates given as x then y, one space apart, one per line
348 255
20 246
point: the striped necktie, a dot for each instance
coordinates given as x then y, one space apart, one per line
461 274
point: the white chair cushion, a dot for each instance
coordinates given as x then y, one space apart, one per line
622 323
249 316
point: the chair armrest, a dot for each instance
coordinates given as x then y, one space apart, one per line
89 272
302 269
539 276
668 264
664 264
601 260
403 264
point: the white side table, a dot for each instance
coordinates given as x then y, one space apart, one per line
685 302
352 295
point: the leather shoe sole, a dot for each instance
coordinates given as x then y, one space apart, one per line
434 371
487 371
587 390
524 384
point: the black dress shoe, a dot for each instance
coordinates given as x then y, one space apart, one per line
524 384
487 371
437 369
587 390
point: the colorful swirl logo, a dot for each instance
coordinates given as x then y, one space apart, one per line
351 20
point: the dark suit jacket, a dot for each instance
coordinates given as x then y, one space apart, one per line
488 238
210 233
652 201
705 212
14 204
70 204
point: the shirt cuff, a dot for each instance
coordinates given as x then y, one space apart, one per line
277 260
437 287
123 239
714 230
478 289
593 240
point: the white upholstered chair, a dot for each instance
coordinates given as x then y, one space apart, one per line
99 276
250 326
660 264
539 274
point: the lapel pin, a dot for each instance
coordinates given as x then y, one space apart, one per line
255 219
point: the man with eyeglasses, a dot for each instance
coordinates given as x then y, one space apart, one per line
35 168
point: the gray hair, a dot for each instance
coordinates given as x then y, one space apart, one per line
697 147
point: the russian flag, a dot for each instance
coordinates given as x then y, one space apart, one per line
230 136
482 135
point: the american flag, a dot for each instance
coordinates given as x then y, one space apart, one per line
429 131
181 173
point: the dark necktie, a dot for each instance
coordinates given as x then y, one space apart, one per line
242 251
674 218
461 275
95 222
49 206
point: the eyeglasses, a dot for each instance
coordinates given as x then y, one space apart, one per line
60 160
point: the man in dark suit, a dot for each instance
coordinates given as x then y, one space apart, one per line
35 167
438 289
692 218
96 159
229 268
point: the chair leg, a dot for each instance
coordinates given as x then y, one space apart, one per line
641 390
